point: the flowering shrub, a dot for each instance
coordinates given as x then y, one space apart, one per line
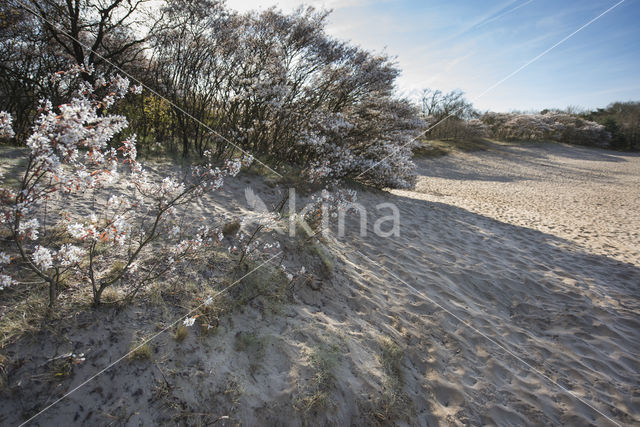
6 130
373 141
277 85
69 155
552 126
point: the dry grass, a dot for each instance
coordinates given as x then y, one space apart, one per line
111 295
323 359
22 314
393 404
140 351
180 333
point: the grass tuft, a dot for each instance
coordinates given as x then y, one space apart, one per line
323 360
140 351
24 316
393 404
231 228
181 333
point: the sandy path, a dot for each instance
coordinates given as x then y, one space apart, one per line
537 248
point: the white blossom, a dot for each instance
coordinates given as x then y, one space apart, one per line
6 127
69 255
42 257
29 229
133 268
5 281
4 259
76 230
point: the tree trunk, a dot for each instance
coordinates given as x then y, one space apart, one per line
52 292
185 145
97 295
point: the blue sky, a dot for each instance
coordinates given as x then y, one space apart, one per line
471 45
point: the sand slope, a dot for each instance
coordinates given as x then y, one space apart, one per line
528 248
537 247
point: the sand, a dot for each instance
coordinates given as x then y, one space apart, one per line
536 246
588 197
525 250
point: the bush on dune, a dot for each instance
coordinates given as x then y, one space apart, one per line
273 83
280 87
622 120
551 126
71 154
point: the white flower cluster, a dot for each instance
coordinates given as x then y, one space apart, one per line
42 257
75 136
29 229
6 125
5 281
69 255
70 151
376 138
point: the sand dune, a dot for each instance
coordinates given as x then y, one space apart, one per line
537 248
511 294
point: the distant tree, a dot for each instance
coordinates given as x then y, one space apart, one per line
93 32
277 85
574 110
39 37
627 118
25 60
617 137
439 105
447 115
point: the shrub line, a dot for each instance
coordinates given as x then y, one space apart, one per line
499 82
149 88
